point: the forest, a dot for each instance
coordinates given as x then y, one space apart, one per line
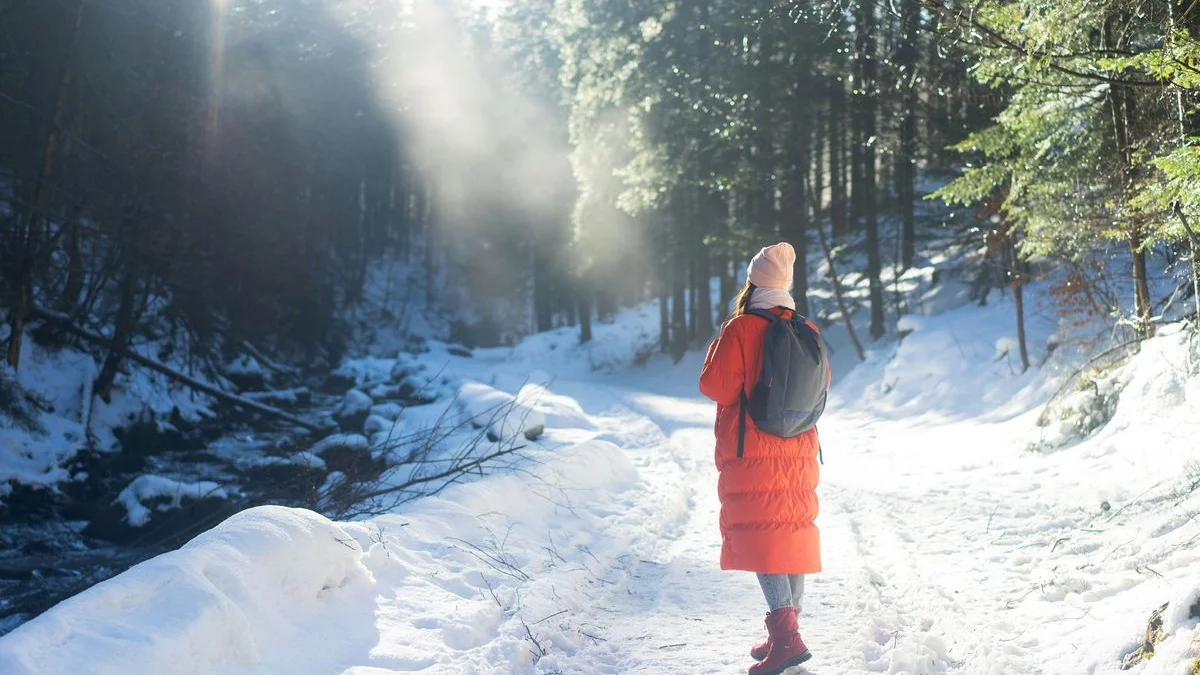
241 197
227 171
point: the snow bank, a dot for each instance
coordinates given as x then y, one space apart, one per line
560 412
959 364
350 441
150 487
218 602
353 410
69 419
302 459
629 337
505 416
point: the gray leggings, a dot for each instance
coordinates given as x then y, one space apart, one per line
782 590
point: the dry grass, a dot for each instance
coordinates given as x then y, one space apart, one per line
1154 636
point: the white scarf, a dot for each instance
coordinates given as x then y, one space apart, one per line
770 298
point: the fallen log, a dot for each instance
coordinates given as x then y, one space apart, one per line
174 375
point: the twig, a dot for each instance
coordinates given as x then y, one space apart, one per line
497 560
993 515
559 613
491 590
540 650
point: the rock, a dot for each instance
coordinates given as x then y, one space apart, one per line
502 414
353 410
376 424
459 350
405 367
147 436
336 442
24 503
347 453
417 391
300 469
192 517
246 373
386 392
339 380
388 411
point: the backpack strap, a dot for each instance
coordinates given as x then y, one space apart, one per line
764 314
745 403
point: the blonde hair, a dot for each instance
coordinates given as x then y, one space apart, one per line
741 303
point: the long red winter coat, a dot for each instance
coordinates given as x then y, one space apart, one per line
768 498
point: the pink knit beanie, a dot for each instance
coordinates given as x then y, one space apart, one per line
772 267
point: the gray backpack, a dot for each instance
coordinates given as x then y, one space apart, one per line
790 394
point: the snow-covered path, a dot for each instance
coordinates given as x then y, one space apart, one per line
876 608
677 612
886 602
949 548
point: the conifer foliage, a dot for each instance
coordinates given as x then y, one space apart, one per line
234 168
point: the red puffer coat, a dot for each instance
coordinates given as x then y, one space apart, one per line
768 497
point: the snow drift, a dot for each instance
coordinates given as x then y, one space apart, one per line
210 605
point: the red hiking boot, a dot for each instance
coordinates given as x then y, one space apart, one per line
785 648
758 653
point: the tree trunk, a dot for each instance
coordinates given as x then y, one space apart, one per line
906 162
707 201
1122 108
837 172
584 302
415 206
795 210
1143 306
68 301
704 308
728 272
1018 277
679 341
542 289
429 221
857 139
816 167
693 271
126 320
836 282
867 67
664 318
1194 247
1187 15
23 302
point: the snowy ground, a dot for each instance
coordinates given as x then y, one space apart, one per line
950 546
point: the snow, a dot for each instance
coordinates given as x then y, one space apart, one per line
304 459
245 365
351 441
69 419
150 487
950 546
388 411
504 415
377 424
233 596
355 403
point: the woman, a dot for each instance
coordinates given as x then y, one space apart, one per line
768 496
